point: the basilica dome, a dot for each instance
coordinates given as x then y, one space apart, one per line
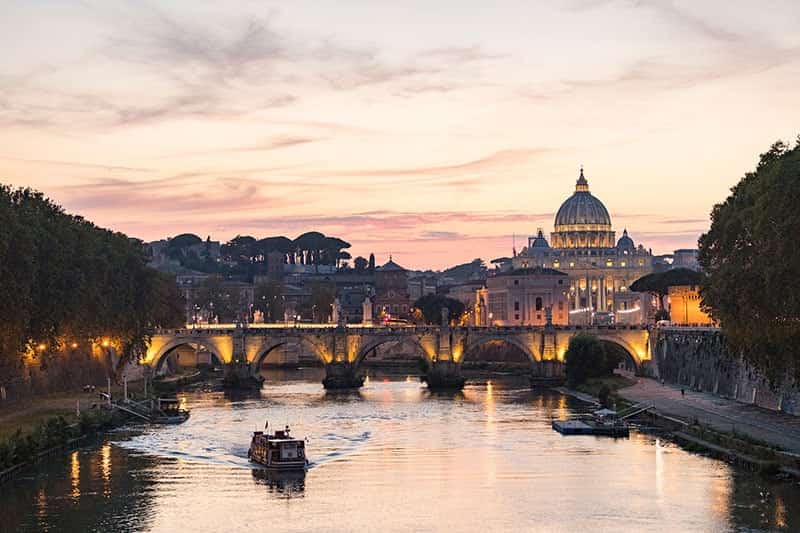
582 221
583 209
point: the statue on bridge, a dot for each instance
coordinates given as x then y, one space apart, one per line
445 317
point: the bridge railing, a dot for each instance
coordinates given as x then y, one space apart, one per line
293 329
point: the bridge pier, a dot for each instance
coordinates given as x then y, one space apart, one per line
549 373
239 376
342 375
445 375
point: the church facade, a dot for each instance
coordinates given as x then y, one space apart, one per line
599 267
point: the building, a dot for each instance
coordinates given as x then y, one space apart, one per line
599 268
392 298
421 285
525 296
684 306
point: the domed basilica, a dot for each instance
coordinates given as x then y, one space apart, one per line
600 268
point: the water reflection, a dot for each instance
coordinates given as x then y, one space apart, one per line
287 484
482 459
75 475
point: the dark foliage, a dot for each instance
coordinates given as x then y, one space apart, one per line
587 357
431 306
65 280
752 259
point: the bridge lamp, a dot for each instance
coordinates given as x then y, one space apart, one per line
106 343
41 347
73 345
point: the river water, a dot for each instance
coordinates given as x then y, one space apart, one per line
391 457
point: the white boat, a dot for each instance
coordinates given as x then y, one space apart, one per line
278 451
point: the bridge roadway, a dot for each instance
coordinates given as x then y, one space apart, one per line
241 349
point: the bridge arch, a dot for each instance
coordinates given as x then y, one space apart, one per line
474 344
158 359
371 344
264 350
629 349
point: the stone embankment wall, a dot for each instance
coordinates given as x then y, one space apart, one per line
699 359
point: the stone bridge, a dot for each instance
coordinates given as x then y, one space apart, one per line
342 349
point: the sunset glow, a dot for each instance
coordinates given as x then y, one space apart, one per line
432 131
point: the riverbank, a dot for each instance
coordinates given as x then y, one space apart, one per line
775 429
26 414
53 436
752 438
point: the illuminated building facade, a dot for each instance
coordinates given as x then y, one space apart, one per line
684 306
599 268
523 297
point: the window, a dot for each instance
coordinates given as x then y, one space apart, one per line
622 263
516 316
516 306
571 264
539 303
561 282
609 263
561 306
516 282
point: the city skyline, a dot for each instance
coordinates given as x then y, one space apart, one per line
431 134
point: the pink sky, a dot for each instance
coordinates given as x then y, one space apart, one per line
432 131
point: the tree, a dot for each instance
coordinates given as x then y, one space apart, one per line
269 300
223 300
431 306
66 281
752 260
371 263
318 308
360 264
658 284
585 358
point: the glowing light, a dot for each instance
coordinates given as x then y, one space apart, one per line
75 474
42 347
106 343
74 345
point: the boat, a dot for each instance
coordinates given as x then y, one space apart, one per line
169 411
278 450
603 422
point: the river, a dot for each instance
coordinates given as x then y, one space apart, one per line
391 457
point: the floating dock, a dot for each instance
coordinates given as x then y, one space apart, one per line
588 427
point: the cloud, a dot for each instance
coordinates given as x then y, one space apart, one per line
501 159
109 167
720 53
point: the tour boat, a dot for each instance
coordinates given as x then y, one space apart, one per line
278 451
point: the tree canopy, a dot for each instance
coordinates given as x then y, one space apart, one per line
660 282
64 280
431 306
752 259
588 357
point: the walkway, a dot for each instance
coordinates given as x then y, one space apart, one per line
778 429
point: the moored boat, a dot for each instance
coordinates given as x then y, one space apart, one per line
278 450
169 411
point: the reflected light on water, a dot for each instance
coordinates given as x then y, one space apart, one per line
394 457
75 474
105 467
780 512
659 470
